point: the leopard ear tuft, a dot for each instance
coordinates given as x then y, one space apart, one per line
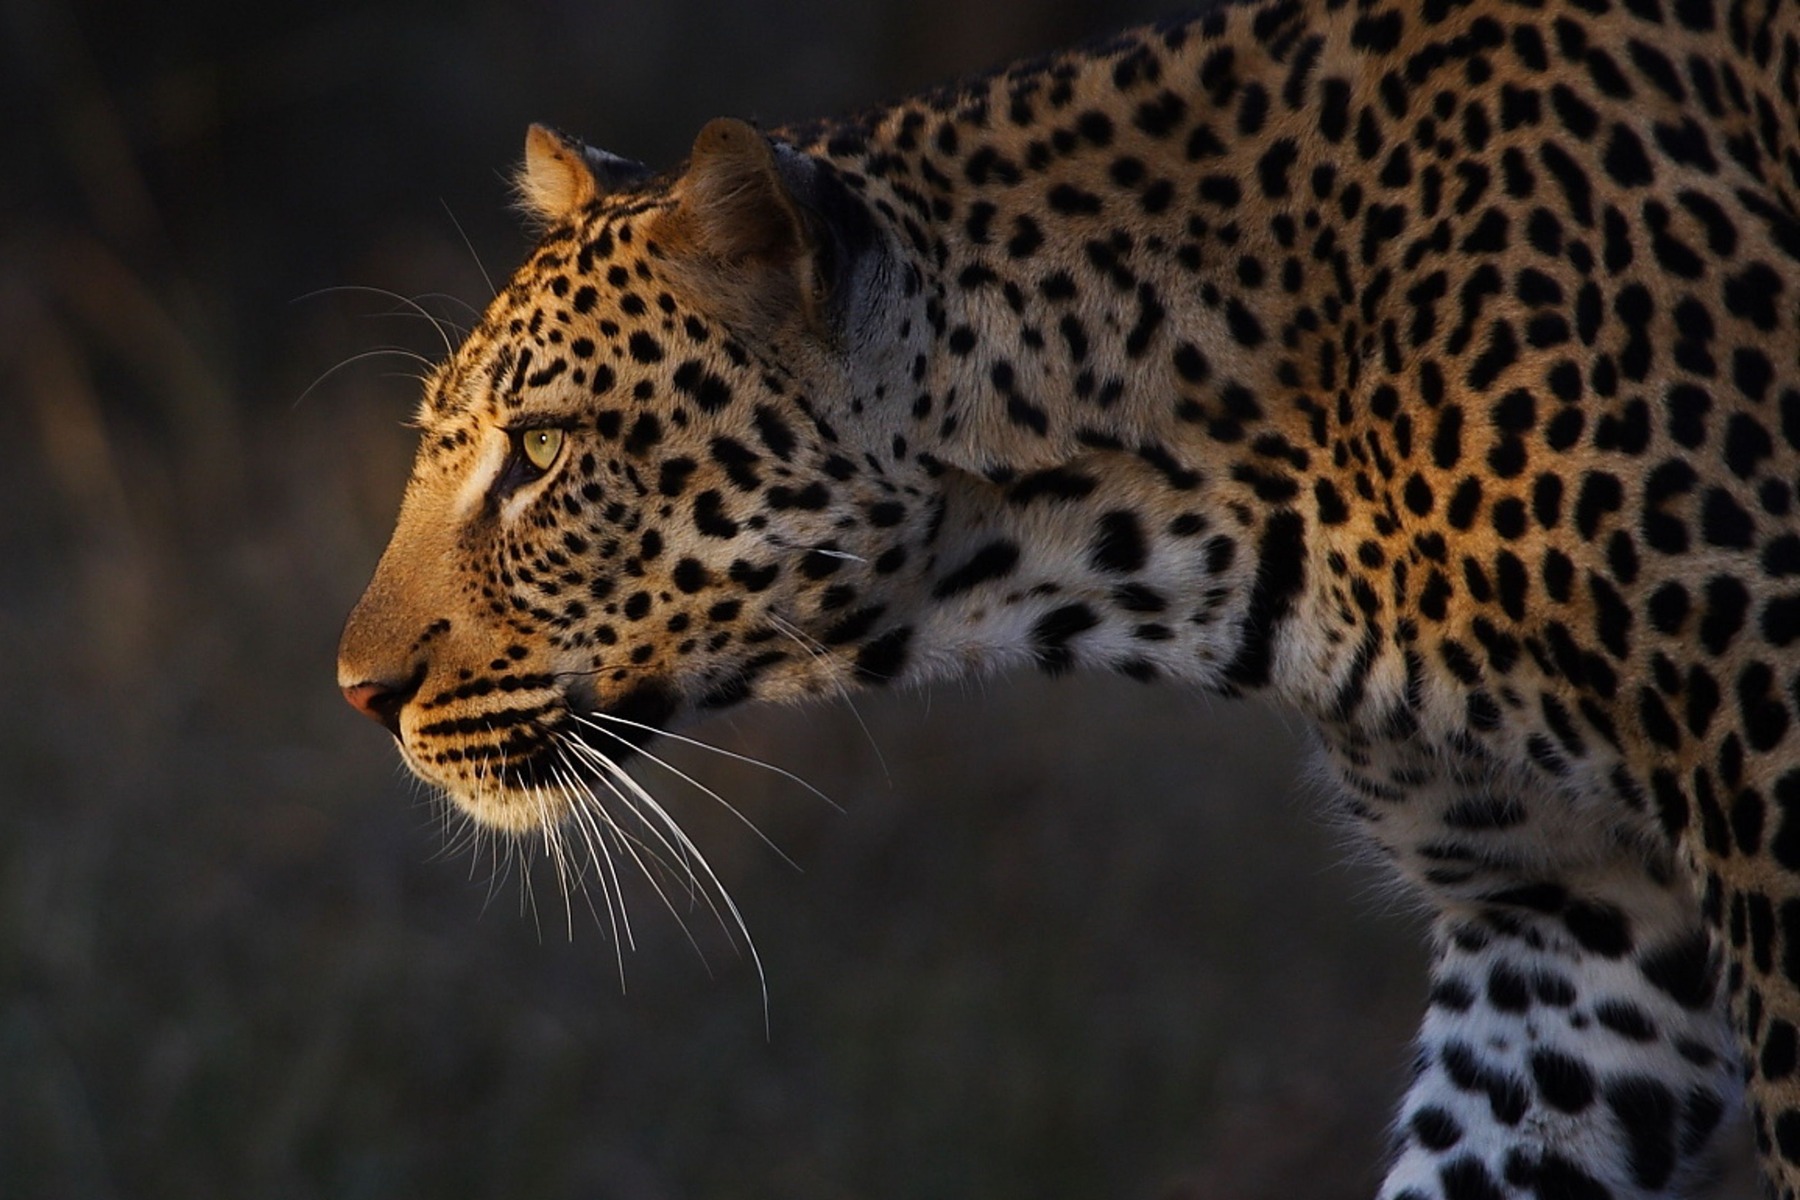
561 176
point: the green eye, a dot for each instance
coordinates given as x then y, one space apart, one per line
541 446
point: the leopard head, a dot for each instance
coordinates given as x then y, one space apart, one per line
656 480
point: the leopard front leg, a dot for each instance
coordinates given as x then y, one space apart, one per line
1569 1050
1577 1043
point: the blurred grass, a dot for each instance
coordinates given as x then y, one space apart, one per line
1076 940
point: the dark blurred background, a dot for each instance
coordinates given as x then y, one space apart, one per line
1074 940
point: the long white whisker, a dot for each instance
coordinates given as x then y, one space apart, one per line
653 871
719 750
356 358
557 854
589 812
630 845
485 278
718 888
690 851
418 309
695 783
678 851
781 543
456 300
500 850
568 778
527 893
818 651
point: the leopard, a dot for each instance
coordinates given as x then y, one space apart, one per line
1430 368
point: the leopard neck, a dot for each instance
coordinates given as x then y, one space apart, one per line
1087 282
1110 255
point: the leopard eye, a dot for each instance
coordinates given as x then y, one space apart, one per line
541 446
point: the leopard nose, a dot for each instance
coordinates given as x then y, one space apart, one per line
381 702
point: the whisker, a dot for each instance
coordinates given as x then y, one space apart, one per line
485 277
588 812
817 649
781 543
386 293
604 771
600 760
556 853
690 851
456 300
567 779
717 887
457 833
500 850
356 358
527 893
695 783
719 750
630 845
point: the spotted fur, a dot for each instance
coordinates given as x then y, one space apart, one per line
1431 365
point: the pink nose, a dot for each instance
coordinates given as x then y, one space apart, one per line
379 702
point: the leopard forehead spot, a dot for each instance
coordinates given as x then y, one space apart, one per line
1427 366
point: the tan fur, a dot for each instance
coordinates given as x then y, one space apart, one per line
555 183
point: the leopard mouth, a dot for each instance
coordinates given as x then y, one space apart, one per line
528 765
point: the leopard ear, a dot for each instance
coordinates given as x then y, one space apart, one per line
561 176
767 232
735 204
